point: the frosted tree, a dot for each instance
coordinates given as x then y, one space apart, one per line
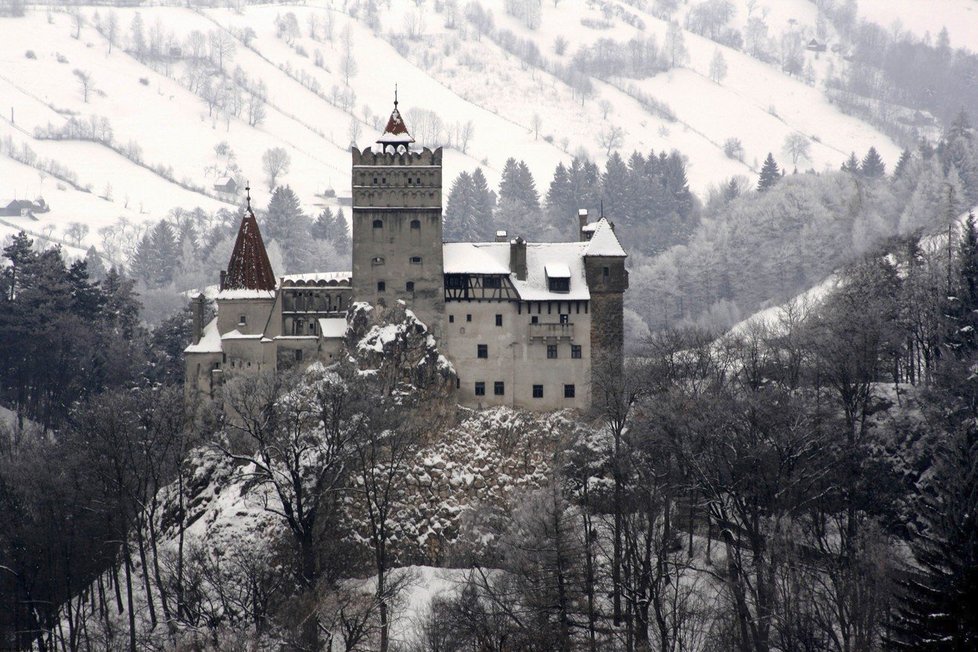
222 47
84 81
872 165
348 63
770 174
137 37
718 67
611 138
111 29
676 46
797 147
275 162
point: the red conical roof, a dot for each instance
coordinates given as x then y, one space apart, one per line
249 268
396 132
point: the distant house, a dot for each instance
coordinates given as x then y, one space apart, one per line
25 208
175 52
226 184
815 46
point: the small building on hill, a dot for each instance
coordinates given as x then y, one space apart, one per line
25 208
226 184
815 46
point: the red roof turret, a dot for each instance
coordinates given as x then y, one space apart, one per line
396 132
249 268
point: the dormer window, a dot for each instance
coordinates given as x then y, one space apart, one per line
378 224
558 277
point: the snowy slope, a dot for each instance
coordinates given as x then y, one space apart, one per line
926 17
516 109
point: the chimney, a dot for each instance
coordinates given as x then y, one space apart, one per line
517 257
223 276
197 310
500 236
581 223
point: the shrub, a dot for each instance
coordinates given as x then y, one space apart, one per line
30 54
144 81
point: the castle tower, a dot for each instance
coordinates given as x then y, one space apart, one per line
607 280
397 227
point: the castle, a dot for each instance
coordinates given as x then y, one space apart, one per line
524 324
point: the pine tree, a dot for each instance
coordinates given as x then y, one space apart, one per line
286 224
332 228
961 339
901 167
460 224
851 165
483 202
770 174
938 605
872 166
614 189
164 253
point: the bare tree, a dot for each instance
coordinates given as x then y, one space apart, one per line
222 47
76 232
275 162
256 106
718 67
348 63
112 29
611 138
676 46
797 147
77 20
536 122
85 81
196 44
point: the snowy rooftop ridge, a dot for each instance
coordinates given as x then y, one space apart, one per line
604 242
317 277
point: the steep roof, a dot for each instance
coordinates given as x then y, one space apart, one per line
396 132
565 259
604 242
249 268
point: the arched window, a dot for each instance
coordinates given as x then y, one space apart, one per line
378 224
415 224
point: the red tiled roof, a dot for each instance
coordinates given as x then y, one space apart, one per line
249 268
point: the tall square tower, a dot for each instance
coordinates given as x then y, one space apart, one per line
397 224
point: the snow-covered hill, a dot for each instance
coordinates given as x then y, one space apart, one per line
439 59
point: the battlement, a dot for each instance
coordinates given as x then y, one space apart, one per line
369 158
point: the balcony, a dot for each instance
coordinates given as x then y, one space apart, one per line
552 331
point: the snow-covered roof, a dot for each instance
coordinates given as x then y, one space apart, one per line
210 341
588 228
238 335
604 242
332 327
245 294
566 258
317 277
557 270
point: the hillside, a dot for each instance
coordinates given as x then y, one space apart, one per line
452 78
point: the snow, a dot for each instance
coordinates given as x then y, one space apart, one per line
475 258
243 294
604 242
318 277
238 335
557 270
926 17
210 341
332 327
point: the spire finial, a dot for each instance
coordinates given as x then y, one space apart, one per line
395 95
248 193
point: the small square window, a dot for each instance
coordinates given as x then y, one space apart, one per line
242 320
499 320
551 351
538 391
451 319
569 391
480 389
564 320
499 388
575 350
409 286
468 318
381 286
534 319
415 260
483 350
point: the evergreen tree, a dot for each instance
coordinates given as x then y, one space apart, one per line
770 174
872 165
460 221
332 228
614 189
286 224
851 165
938 604
901 167
164 254
483 202
961 338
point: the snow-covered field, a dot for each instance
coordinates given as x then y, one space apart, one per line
516 109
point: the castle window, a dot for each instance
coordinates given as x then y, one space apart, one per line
551 351
499 388
415 260
606 272
480 389
242 320
415 224
383 180
451 319
409 286
491 282
538 391
534 319
482 350
375 181
458 382
499 320
378 224
569 391
298 355
559 284
312 328
564 319
377 260
575 350
381 286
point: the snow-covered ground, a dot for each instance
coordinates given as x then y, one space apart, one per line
926 17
